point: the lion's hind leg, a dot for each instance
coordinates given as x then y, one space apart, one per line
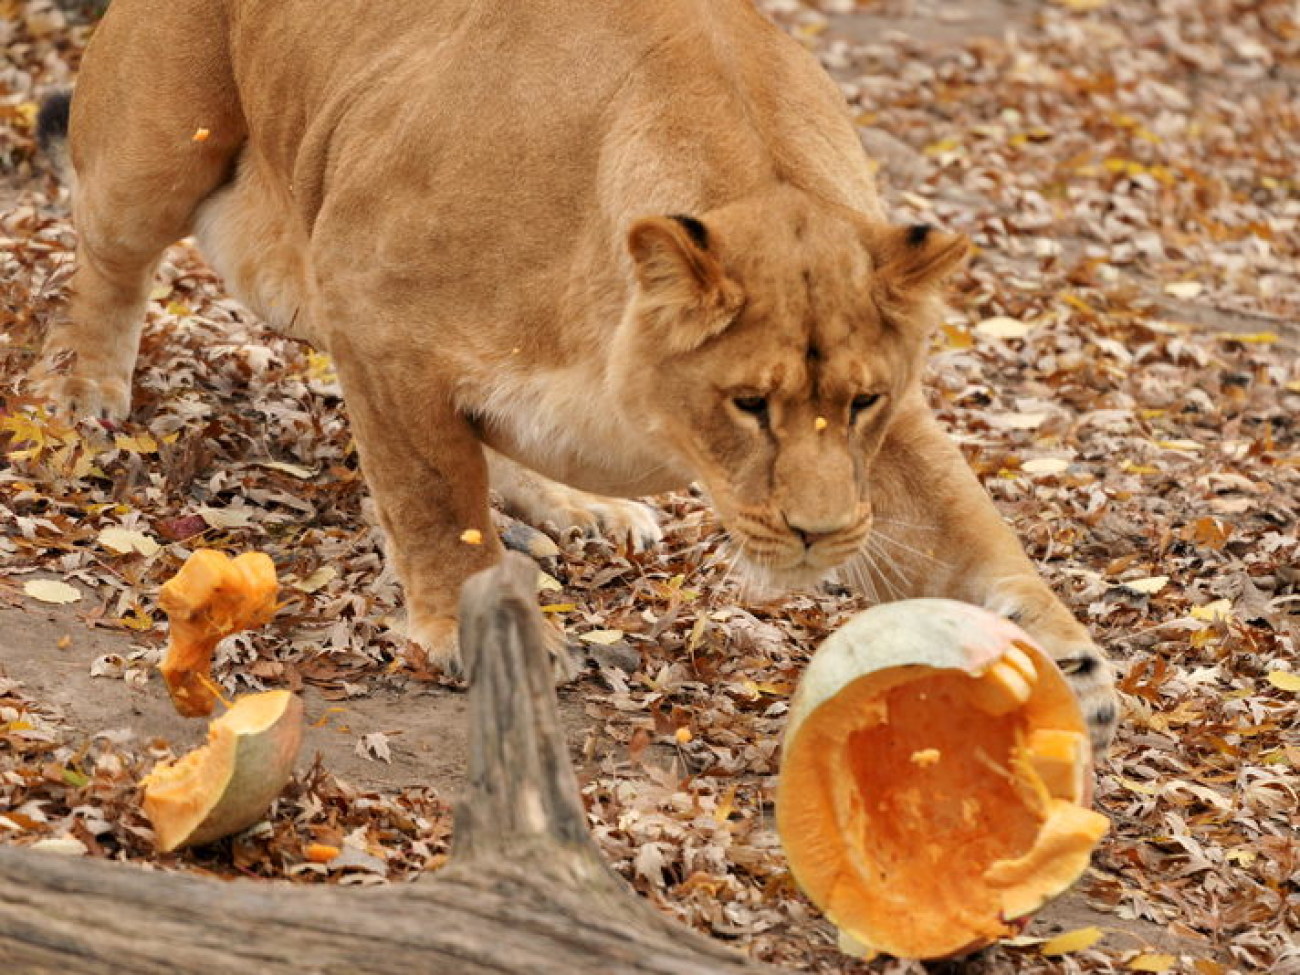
153 128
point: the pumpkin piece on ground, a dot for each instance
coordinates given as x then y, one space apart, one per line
931 784
227 784
211 597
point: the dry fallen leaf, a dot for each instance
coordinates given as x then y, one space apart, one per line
374 746
1285 680
1045 465
1071 941
51 591
1001 327
1184 289
125 541
1151 963
317 580
603 638
1148 586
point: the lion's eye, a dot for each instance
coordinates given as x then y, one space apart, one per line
755 406
861 403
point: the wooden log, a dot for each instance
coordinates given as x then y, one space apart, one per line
525 890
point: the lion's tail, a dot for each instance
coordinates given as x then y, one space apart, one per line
52 130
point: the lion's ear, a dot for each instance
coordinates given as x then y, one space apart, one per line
916 258
684 294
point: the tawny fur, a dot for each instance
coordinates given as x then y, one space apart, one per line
624 246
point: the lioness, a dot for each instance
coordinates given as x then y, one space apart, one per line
617 246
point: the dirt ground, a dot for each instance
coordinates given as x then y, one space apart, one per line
1127 171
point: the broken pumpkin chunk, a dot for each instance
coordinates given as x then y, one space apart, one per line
210 598
227 784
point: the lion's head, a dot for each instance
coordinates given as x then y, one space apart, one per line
770 342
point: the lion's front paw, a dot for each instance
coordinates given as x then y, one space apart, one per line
84 396
1029 603
438 637
1092 679
629 523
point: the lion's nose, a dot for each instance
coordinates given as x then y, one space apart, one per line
811 532
809 539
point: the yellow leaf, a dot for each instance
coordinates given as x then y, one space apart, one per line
1220 609
559 608
1151 963
138 620
1148 586
27 112
683 735
941 147
320 367
471 536
958 338
179 309
143 444
725 805
1284 680
1243 857
1076 940
1185 445
1248 338
317 580
1074 301
51 591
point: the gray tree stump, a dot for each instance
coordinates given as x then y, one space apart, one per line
525 890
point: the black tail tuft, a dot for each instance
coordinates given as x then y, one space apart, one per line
52 119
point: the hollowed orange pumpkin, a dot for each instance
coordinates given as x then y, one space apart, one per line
211 597
935 780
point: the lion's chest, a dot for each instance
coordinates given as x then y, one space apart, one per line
563 424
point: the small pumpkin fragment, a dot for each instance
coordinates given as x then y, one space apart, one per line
935 780
226 785
211 597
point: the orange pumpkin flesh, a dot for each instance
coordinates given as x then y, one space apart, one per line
933 777
210 598
226 785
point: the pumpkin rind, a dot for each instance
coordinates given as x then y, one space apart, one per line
227 784
933 766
